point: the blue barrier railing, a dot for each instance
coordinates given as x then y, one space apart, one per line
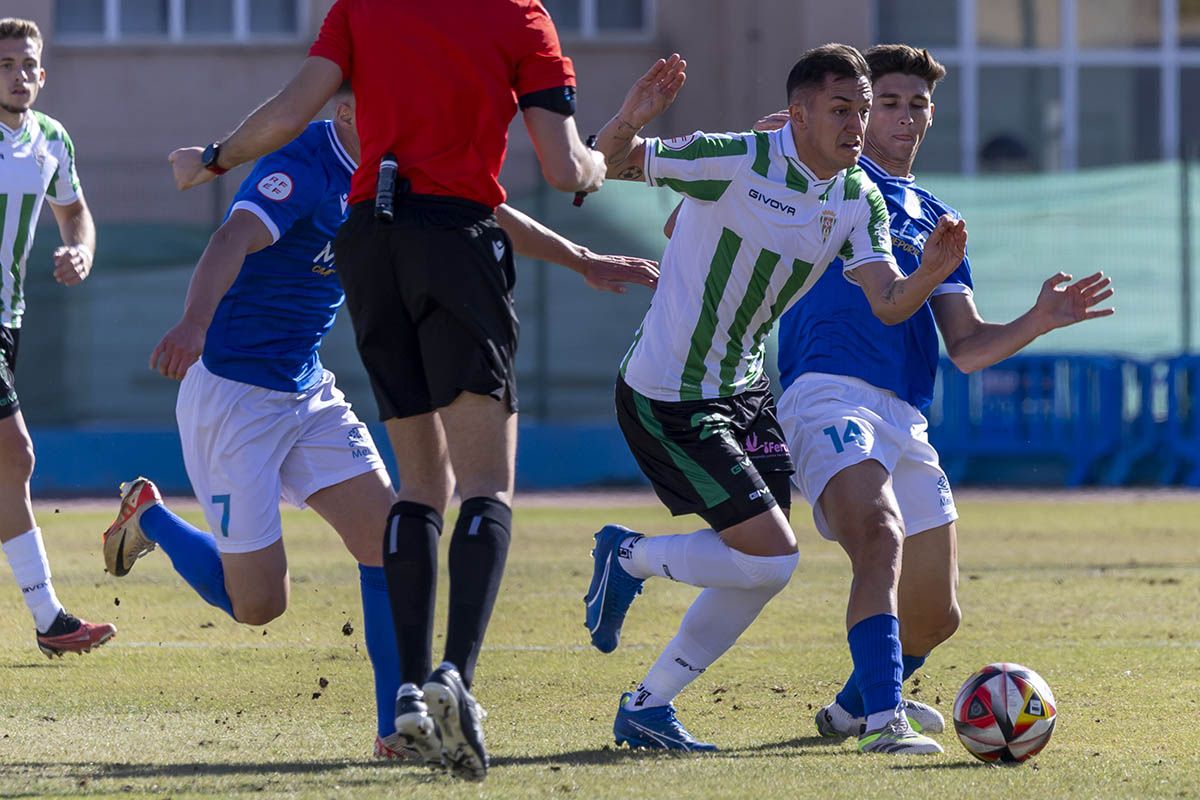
1071 419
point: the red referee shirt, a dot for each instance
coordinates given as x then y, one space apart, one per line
437 83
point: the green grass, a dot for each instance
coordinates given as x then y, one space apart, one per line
1099 597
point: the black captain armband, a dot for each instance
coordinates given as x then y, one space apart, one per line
560 100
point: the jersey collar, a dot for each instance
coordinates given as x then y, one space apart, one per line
878 173
338 149
788 145
15 132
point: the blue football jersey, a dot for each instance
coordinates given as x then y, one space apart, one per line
270 323
834 330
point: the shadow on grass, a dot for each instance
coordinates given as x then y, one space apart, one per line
942 765
618 755
82 774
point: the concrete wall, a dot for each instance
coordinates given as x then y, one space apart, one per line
128 105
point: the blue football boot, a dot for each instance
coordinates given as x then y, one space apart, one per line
612 589
655 728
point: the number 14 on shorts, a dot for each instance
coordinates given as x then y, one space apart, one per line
851 435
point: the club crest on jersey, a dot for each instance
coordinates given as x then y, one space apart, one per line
39 156
679 142
828 218
277 186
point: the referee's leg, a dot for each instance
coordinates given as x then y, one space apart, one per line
481 434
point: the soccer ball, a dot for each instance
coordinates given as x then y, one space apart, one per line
1004 713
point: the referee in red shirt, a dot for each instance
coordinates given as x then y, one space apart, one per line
429 293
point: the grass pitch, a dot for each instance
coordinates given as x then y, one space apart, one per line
1100 597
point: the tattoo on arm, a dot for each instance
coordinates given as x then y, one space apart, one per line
631 173
889 294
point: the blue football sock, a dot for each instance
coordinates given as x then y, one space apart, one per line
850 698
193 554
875 648
911 665
381 645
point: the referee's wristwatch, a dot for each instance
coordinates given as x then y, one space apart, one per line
209 159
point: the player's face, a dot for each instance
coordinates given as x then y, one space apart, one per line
343 117
833 122
901 114
21 74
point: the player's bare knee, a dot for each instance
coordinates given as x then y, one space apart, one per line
259 610
16 459
875 541
922 632
949 625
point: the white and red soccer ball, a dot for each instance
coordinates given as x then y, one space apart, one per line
1004 713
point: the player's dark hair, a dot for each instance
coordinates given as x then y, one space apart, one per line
885 59
820 63
14 28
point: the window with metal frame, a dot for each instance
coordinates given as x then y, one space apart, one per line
113 21
602 19
1072 82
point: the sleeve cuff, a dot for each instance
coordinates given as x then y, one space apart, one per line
62 201
246 205
952 288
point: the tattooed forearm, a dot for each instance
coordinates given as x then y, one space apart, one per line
894 288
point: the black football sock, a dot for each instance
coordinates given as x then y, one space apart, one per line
410 544
478 551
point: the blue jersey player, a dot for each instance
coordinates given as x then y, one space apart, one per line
260 419
852 409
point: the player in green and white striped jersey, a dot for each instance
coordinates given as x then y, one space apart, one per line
37 162
770 211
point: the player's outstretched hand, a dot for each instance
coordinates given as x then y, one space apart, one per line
773 122
189 171
654 92
179 349
1059 305
72 265
611 273
946 247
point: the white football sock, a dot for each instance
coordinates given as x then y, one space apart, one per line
700 559
713 623
27 557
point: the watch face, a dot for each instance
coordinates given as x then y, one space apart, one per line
209 157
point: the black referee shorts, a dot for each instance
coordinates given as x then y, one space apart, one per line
725 459
430 296
10 338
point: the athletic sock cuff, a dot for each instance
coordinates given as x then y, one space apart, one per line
912 664
372 577
407 508
488 508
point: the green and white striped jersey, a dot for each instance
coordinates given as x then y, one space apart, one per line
37 161
756 233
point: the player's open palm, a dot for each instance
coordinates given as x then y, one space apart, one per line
179 349
611 273
945 247
654 92
1061 305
